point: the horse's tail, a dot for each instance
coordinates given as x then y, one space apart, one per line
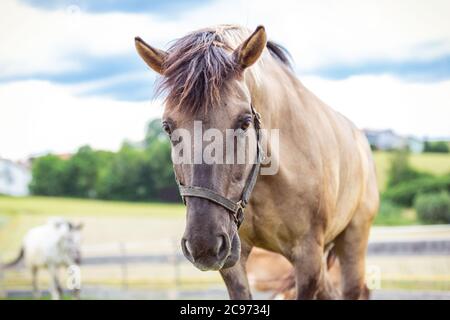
16 261
286 290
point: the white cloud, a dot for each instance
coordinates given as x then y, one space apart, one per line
384 102
318 33
37 116
36 40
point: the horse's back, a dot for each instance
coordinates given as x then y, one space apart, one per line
41 245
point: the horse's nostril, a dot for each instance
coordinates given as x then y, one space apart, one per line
186 249
219 245
223 247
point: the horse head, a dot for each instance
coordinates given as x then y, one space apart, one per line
209 99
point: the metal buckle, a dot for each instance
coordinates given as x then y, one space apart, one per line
239 215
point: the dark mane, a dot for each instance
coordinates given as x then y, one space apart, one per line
198 67
279 52
196 70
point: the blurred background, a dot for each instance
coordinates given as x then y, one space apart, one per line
80 132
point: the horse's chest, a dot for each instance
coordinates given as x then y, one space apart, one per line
267 231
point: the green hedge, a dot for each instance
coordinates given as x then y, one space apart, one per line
404 193
433 207
389 214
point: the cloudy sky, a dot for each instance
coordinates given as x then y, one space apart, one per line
69 74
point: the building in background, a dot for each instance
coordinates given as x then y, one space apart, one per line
385 139
389 140
14 178
415 145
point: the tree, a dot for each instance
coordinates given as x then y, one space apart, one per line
400 169
127 176
165 186
158 149
436 146
81 173
154 133
47 176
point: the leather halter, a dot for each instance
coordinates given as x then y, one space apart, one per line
235 208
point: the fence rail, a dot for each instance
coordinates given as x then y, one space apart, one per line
410 247
383 248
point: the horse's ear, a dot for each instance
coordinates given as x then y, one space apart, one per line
249 51
79 226
153 57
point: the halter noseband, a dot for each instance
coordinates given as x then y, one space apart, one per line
235 208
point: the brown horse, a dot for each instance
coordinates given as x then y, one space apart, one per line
324 192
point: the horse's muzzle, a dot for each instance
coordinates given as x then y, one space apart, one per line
212 255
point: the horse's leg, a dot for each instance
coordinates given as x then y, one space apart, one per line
56 290
235 278
76 292
351 248
307 261
328 289
34 282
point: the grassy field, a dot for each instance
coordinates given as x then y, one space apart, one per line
435 163
71 207
105 221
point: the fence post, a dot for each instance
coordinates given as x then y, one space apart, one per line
124 266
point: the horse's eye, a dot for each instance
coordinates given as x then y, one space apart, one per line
166 128
246 124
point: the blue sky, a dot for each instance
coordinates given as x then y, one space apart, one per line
383 64
428 70
130 6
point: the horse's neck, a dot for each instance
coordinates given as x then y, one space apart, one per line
279 95
284 103
290 108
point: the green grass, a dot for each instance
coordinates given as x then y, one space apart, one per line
390 214
49 206
434 163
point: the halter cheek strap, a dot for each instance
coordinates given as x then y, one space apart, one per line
235 208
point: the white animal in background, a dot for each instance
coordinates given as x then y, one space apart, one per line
53 245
